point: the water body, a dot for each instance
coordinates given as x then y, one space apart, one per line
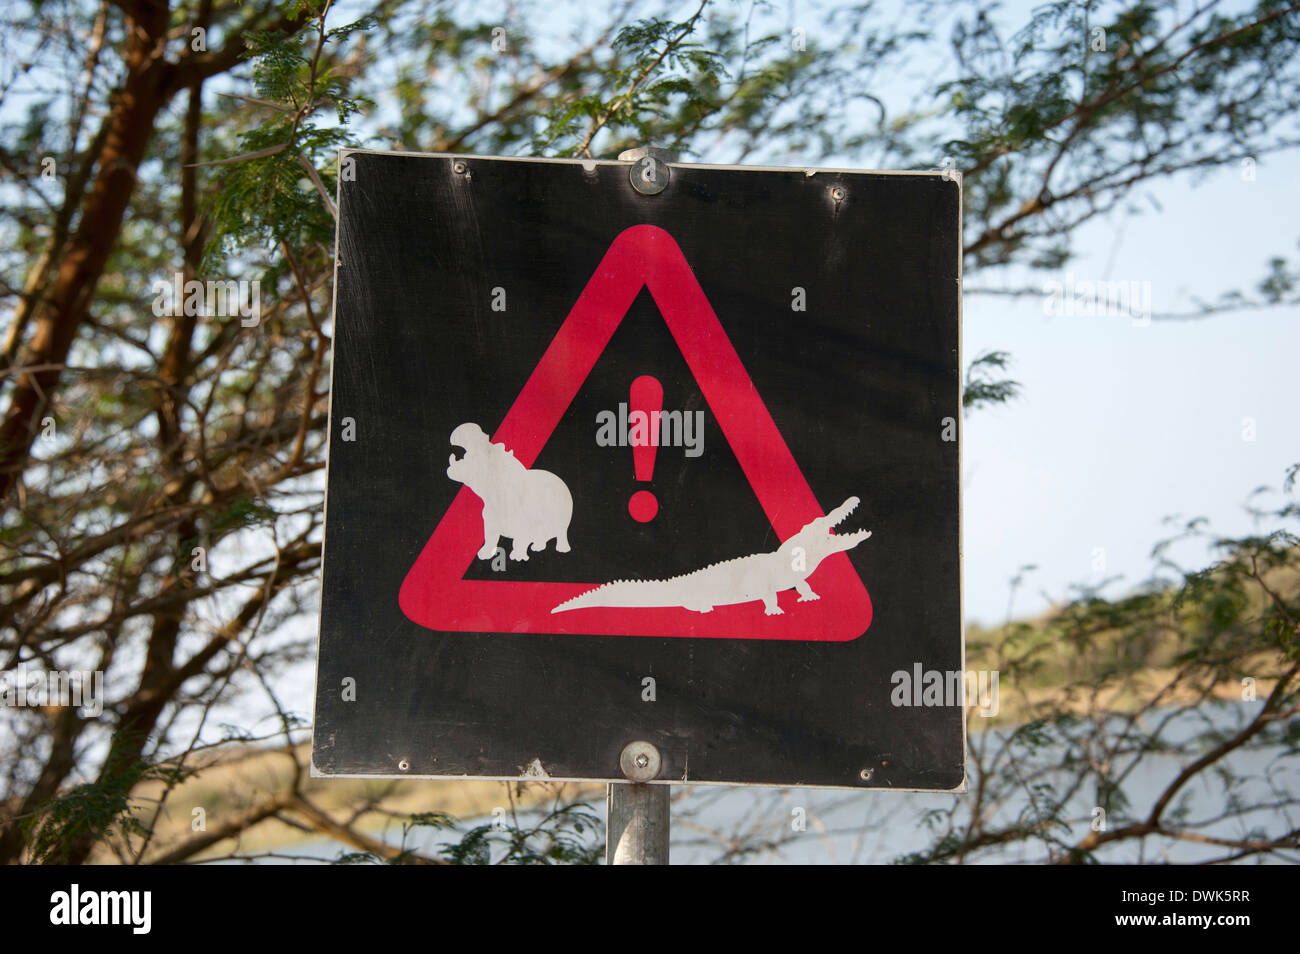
817 826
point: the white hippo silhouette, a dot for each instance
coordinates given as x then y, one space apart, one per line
531 507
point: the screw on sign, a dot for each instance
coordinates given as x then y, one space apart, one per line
640 761
596 445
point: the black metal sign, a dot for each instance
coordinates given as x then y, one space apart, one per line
630 452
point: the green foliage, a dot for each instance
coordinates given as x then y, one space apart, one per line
269 197
566 834
982 387
1047 121
1281 281
563 835
1155 679
101 810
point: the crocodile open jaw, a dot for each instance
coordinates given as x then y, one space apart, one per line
843 541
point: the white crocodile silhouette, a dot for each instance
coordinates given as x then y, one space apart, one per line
760 576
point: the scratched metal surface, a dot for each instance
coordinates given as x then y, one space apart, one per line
858 385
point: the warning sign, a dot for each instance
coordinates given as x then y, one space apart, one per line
608 466
504 498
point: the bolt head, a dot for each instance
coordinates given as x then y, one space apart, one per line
649 175
640 761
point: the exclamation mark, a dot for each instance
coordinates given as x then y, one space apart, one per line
646 399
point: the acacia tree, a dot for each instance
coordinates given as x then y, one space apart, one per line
161 473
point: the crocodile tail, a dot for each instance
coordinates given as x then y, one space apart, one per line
607 595
578 602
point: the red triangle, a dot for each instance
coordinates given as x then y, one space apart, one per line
434 594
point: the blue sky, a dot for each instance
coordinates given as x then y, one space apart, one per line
1121 425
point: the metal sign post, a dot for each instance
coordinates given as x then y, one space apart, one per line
638 825
637 814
